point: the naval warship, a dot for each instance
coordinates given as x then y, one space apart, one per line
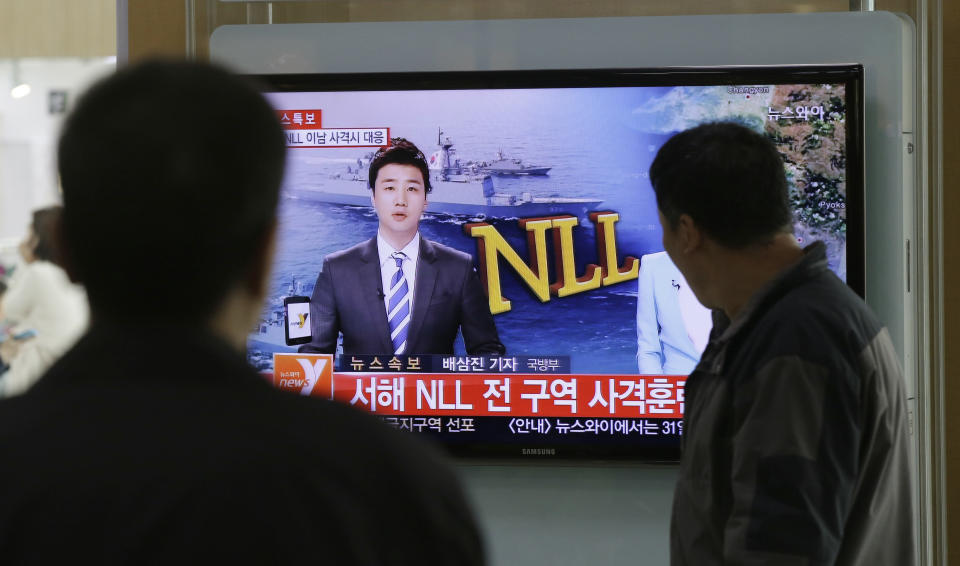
509 167
458 189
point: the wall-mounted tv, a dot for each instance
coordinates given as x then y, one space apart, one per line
541 178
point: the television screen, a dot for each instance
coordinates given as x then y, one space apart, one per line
541 178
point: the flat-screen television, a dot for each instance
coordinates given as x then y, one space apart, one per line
541 177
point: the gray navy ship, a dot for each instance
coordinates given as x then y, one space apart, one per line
510 167
462 190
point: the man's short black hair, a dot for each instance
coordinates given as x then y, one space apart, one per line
729 179
171 174
402 152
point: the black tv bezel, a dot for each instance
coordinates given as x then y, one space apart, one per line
851 75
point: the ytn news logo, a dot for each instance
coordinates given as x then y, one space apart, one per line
305 374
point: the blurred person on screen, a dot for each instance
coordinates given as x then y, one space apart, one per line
795 442
672 326
399 293
42 312
152 440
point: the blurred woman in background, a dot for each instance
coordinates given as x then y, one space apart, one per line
45 312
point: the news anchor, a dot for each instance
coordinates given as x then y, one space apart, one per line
399 293
672 326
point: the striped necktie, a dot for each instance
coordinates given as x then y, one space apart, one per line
398 306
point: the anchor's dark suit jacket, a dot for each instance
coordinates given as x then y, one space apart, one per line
447 296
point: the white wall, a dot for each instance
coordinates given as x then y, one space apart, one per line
28 134
576 513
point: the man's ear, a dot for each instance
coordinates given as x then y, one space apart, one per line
62 253
258 279
690 236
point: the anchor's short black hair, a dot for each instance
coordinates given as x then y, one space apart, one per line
402 152
171 173
729 179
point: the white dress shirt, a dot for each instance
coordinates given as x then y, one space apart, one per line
388 266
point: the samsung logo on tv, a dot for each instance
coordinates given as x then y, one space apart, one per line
539 451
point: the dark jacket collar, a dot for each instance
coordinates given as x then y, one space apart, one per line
811 264
368 251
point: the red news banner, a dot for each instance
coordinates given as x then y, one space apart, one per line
483 394
302 128
303 119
